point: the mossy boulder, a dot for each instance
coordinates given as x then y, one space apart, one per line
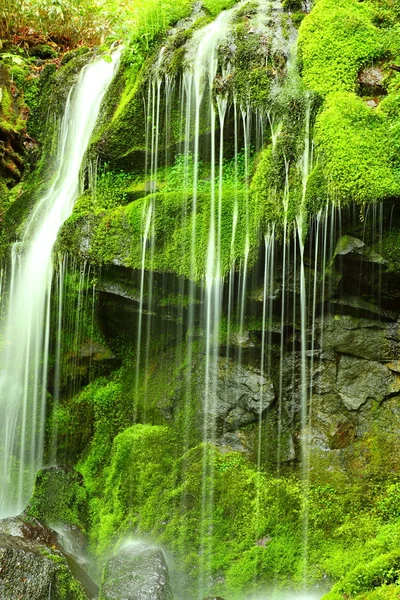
335 41
31 571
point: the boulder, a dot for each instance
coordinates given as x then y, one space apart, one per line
371 81
24 539
32 571
356 248
137 572
364 338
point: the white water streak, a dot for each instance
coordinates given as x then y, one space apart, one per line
23 376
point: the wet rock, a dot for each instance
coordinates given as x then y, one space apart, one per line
359 380
349 245
25 533
363 338
32 571
28 528
96 351
230 441
359 307
341 434
371 81
137 572
242 394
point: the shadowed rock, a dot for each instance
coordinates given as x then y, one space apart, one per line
31 571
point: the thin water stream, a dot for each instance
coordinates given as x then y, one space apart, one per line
25 352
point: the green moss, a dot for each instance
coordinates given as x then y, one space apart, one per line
389 247
353 144
58 498
335 41
386 592
116 234
383 570
141 457
216 6
66 587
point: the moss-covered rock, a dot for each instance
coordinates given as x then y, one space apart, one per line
356 151
59 498
335 41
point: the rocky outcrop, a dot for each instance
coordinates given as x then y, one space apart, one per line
242 394
34 565
31 571
137 572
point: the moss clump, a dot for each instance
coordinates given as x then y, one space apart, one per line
335 41
58 498
141 456
382 571
101 413
66 587
353 144
116 234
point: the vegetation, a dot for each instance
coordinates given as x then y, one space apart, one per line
131 434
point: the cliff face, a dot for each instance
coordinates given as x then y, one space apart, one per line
231 389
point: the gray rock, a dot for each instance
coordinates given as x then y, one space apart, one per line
137 572
359 307
364 338
241 393
31 571
359 380
349 245
371 76
230 441
43 539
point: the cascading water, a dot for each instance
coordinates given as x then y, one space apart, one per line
204 107
24 357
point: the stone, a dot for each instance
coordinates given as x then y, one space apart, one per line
359 307
32 571
137 572
349 245
359 380
341 434
371 80
364 338
95 351
40 538
241 393
230 441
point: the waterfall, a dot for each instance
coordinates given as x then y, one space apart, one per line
25 352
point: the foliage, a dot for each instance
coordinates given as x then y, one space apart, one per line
335 41
355 149
67 22
59 498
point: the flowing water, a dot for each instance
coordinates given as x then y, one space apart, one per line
24 359
284 290
202 108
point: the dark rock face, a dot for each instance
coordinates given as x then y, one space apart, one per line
352 354
242 394
137 572
31 571
35 563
